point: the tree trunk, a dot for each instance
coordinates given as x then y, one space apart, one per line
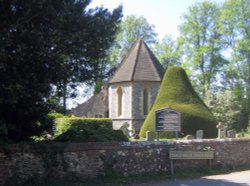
64 97
248 85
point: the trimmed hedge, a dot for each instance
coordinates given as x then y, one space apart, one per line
176 92
76 129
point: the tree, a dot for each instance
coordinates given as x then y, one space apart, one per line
201 38
226 108
134 28
131 29
168 51
235 25
181 97
46 45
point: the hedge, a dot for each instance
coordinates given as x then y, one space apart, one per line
76 129
176 92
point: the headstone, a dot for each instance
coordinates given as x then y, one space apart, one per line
124 129
150 136
199 134
221 131
231 134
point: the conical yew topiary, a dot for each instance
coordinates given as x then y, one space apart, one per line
176 92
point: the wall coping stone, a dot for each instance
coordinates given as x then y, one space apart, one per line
73 147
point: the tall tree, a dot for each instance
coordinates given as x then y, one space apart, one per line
235 21
134 28
202 46
168 51
46 44
131 29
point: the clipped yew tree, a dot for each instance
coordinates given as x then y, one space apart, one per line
176 92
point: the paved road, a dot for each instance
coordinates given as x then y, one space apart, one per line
233 179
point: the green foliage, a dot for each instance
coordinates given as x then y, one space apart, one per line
131 29
168 51
227 109
177 93
235 28
45 47
76 129
202 44
55 115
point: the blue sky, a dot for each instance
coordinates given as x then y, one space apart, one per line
164 14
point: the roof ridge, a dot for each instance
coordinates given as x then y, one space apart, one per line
136 60
137 65
155 61
123 60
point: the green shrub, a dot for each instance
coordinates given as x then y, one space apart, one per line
75 129
176 92
55 115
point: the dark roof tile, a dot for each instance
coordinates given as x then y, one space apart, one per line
140 64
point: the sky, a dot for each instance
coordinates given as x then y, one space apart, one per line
165 15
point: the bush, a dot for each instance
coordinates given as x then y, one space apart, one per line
75 129
228 109
176 92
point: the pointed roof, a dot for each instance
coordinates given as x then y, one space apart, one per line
139 64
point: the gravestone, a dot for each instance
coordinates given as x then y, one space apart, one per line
231 134
150 136
221 130
199 134
124 129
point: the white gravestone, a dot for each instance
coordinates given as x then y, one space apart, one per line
221 131
199 134
124 129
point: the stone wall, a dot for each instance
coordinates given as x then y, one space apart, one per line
21 163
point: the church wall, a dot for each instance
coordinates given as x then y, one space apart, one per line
154 91
126 101
132 103
137 107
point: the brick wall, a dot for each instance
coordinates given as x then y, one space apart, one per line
64 161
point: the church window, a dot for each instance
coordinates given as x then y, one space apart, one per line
145 98
119 101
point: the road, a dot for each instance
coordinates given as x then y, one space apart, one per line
233 179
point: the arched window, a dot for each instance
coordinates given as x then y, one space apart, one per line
145 101
119 101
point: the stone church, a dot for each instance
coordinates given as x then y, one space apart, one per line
131 91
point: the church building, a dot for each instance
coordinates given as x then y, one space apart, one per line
134 86
131 91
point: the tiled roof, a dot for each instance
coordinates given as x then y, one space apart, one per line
140 64
97 104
